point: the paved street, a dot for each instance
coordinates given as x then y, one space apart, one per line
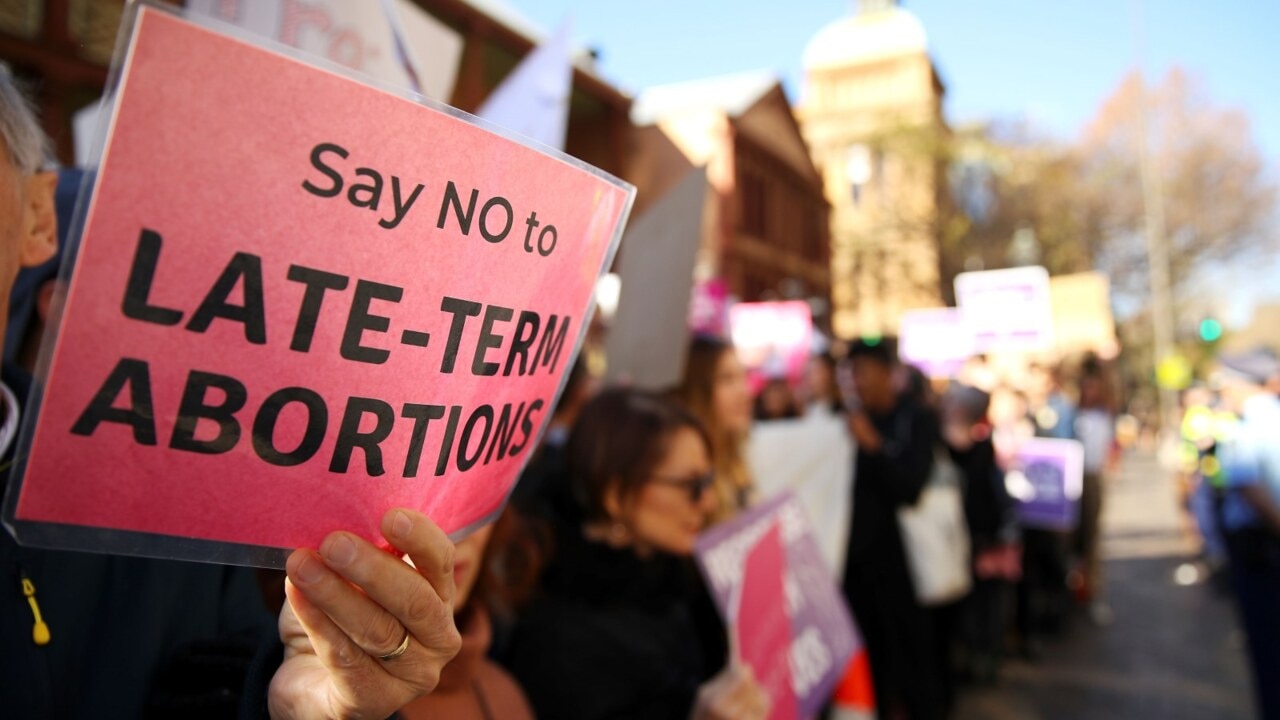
1174 650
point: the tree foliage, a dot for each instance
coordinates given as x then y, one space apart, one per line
1219 203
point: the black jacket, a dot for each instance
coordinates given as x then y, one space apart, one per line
615 636
129 637
888 480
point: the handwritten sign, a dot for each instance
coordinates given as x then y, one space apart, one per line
1045 479
740 559
300 301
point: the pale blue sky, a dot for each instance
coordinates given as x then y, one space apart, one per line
1053 61
1050 61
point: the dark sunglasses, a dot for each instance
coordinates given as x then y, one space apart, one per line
695 485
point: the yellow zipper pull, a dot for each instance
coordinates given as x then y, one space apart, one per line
39 633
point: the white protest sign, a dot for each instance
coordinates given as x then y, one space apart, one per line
1007 309
647 343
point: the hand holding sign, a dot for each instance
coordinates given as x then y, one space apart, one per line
733 694
352 605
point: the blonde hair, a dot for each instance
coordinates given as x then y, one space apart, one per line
733 486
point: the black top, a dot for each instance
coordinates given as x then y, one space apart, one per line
987 507
889 479
129 637
616 636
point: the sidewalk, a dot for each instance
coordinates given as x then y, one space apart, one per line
1173 651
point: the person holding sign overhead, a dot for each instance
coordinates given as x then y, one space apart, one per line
84 635
616 631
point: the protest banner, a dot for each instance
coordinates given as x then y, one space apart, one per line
298 301
648 338
763 565
1007 310
810 457
1045 479
936 340
773 339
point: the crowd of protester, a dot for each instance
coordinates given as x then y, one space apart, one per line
582 600
1231 480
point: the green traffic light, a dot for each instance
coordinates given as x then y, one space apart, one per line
1210 330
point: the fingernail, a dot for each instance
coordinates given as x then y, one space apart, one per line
310 570
401 525
339 551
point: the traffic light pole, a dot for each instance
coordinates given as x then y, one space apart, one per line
1162 322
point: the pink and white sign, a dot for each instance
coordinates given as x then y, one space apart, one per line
709 308
300 301
790 622
773 339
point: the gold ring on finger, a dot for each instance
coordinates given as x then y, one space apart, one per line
404 645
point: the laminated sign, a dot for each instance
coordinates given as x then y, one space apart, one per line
787 620
299 300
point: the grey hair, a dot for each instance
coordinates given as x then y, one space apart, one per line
25 141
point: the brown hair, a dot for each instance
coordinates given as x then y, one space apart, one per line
618 440
511 564
697 391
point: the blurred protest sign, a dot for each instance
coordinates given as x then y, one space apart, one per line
1082 318
397 43
811 458
773 339
764 558
298 301
762 627
648 339
1045 479
534 99
935 340
709 308
1007 310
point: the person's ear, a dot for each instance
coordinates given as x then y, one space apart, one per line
612 501
39 220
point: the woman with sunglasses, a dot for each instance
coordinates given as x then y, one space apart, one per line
622 627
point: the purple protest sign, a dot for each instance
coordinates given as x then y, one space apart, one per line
1007 309
1045 479
936 340
823 638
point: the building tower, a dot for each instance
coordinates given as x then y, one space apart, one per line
872 117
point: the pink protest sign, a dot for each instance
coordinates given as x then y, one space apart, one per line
765 565
763 627
773 339
299 301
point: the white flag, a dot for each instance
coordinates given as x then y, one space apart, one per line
534 99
